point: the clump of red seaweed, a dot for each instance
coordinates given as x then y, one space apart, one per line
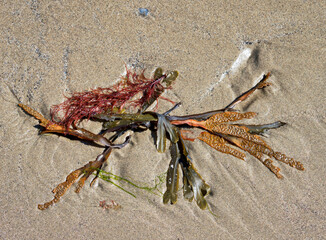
118 98
111 105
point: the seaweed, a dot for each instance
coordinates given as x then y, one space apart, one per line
109 205
123 108
194 185
111 178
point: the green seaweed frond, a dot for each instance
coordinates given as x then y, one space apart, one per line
115 179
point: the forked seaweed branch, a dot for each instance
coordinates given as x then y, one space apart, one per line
123 108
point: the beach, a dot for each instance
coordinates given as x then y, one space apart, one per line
51 49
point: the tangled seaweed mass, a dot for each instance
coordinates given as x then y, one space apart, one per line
123 107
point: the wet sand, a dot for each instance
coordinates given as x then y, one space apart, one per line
220 50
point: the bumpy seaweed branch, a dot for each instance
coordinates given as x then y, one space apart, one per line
43 121
229 117
86 171
61 189
219 144
257 151
216 125
288 160
252 147
217 118
233 130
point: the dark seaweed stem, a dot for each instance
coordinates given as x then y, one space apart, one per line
120 97
204 116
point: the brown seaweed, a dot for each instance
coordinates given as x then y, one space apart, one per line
114 108
194 185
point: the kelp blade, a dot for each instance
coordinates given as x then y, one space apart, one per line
172 130
158 73
161 135
172 178
171 77
198 186
261 129
195 185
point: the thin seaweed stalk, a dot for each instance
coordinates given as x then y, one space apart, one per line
110 177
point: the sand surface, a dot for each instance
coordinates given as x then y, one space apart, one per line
52 48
